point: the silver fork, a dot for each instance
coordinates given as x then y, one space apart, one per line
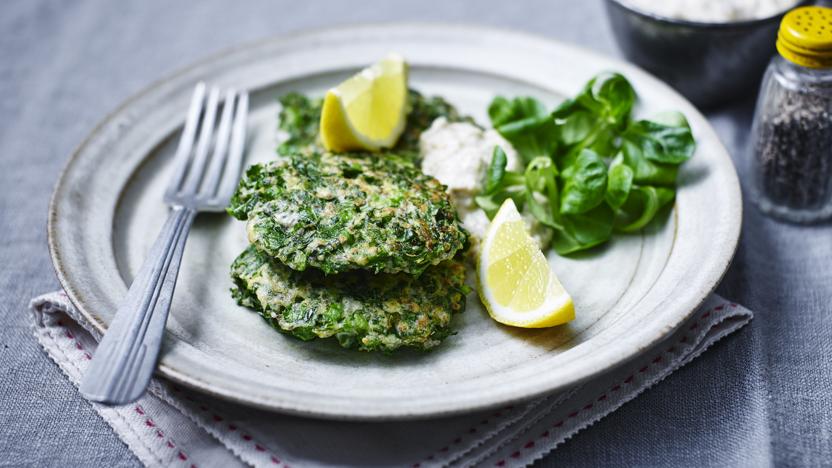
125 359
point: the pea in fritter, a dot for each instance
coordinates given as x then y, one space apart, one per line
340 212
360 309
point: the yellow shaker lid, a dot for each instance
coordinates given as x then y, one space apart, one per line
805 37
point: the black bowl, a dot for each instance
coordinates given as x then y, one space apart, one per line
710 63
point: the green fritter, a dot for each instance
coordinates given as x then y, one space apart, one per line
340 212
360 309
300 118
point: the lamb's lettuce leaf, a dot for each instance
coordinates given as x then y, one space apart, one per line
641 207
619 183
542 191
664 139
583 231
501 184
590 168
526 124
585 182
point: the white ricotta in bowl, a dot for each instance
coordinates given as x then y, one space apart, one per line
712 11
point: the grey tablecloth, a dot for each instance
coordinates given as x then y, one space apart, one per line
758 398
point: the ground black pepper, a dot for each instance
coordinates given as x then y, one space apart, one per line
791 137
794 151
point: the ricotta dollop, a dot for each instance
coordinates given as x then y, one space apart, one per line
458 155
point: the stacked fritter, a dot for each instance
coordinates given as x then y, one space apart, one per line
360 247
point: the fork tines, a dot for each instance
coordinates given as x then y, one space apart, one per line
205 177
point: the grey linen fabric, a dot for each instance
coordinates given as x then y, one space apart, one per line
761 397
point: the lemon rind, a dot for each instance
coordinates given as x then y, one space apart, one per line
555 310
334 113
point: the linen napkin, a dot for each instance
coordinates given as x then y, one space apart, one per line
173 426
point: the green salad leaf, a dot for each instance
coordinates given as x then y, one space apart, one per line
585 183
496 170
542 191
526 124
500 184
502 111
585 230
594 118
590 168
535 188
608 95
664 139
641 206
619 183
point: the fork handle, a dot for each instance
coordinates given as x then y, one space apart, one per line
126 357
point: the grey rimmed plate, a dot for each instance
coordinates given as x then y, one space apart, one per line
107 209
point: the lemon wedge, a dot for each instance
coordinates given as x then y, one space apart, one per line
516 283
368 110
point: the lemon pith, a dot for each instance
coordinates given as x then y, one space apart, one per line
368 110
516 283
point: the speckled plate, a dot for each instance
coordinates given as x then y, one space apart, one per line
107 209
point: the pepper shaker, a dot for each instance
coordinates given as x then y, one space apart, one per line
791 138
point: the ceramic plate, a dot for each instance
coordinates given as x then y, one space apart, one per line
107 209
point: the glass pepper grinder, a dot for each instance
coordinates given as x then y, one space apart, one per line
791 139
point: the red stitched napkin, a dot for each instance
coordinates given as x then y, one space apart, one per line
172 426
